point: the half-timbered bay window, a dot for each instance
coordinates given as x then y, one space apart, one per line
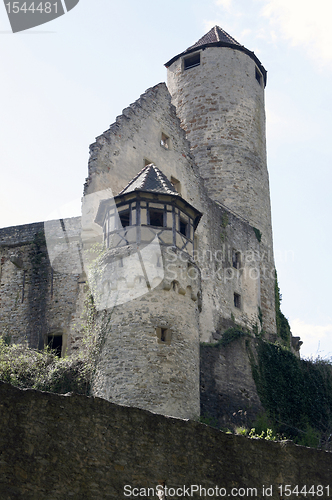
137 217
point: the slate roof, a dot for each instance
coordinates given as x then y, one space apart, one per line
150 178
217 37
216 34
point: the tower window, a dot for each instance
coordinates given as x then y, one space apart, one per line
236 259
164 141
156 217
176 184
258 76
184 226
237 300
192 61
163 335
124 218
54 342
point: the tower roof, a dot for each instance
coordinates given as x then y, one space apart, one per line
151 179
217 37
216 34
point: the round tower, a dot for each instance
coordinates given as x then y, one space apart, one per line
146 289
217 86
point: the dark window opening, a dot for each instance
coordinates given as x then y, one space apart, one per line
236 259
192 61
54 342
258 77
156 217
125 218
164 141
184 227
237 300
163 335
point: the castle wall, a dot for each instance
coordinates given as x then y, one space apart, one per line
121 152
116 158
136 366
55 447
35 299
229 396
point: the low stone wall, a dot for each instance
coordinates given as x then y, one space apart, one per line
59 447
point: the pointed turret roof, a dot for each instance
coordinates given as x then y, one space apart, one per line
217 37
216 34
150 179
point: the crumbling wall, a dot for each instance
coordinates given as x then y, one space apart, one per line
36 299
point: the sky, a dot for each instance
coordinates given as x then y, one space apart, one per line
63 83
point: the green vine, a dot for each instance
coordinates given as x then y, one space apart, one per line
296 394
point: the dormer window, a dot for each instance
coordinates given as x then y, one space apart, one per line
192 61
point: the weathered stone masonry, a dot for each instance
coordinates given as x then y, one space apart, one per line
57 447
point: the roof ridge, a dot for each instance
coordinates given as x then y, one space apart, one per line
150 178
216 32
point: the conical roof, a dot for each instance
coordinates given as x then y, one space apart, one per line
216 34
217 37
151 179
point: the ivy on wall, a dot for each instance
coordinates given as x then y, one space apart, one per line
296 394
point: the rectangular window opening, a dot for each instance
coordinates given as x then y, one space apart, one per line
258 76
176 184
164 141
164 335
124 218
192 61
54 342
237 300
236 259
156 217
184 227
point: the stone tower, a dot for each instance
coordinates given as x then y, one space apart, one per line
146 288
217 87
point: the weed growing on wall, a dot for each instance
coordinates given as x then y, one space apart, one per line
229 336
43 370
283 327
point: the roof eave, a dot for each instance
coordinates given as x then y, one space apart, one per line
222 44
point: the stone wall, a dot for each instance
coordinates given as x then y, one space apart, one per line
229 396
136 366
37 299
57 447
221 107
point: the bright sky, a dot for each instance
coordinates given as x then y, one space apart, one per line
65 82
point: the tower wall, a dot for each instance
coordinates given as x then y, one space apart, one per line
221 107
220 103
135 367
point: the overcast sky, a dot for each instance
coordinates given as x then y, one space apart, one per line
63 83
